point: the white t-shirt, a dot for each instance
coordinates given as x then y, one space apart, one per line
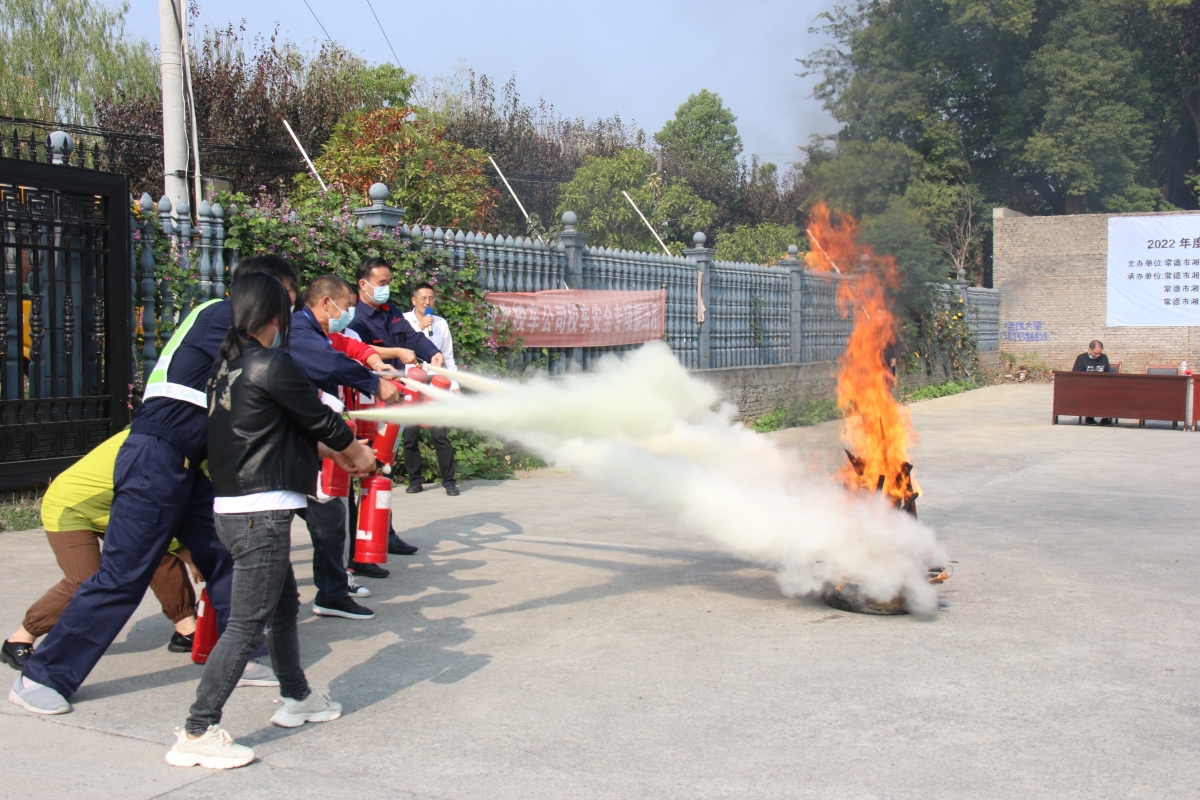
278 500
439 334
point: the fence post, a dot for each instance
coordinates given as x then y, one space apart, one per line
573 243
379 215
703 256
796 268
961 283
218 250
183 241
204 265
166 297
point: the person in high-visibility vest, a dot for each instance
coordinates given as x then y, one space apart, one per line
159 493
75 514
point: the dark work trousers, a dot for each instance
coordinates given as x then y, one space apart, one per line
156 498
327 527
264 599
441 445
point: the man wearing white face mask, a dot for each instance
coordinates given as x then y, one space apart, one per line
329 308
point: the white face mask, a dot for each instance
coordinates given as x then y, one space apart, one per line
380 294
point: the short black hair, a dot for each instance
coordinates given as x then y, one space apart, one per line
367 264
421 286
268 264
328 285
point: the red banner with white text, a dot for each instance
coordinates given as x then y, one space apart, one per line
582 317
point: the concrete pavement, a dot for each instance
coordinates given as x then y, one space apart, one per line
552 640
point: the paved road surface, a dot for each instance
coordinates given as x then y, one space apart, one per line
554 641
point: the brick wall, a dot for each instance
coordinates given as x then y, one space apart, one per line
1052 276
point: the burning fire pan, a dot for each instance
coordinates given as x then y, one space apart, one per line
849 597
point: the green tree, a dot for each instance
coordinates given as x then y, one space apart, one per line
675 210
702 135
59 58
437 181
764 243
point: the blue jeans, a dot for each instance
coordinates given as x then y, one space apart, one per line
155 497
264 591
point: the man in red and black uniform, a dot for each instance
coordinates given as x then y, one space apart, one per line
380 324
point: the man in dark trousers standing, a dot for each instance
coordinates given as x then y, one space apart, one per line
437 331
378 323
1094 360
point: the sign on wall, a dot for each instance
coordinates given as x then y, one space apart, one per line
1154 271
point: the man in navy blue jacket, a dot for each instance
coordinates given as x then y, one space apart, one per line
329 305
377 322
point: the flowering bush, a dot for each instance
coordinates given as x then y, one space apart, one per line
318 242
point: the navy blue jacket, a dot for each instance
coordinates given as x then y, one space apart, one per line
182 424
386 326
325 367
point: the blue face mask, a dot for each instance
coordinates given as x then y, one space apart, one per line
338 325
382 294
278 340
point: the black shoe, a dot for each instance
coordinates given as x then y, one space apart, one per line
451 489
15 654
368 570
399 547
1089 420
347 609
1106 422
180 643
413 488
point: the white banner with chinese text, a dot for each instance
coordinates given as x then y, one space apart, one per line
1154 271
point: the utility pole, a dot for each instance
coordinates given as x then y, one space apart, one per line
175 142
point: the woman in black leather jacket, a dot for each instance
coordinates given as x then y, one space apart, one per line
264 426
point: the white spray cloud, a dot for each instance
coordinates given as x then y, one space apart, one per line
644 427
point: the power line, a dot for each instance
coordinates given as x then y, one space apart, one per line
310 10
395 57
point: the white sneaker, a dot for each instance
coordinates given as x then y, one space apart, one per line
355 589
314 708
257 674
214 750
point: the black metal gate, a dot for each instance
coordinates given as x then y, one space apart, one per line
65 338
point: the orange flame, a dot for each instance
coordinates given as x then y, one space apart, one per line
876 427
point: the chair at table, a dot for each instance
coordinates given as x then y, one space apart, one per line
1160 369
1111 368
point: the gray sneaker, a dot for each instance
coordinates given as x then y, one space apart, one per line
257 674
37 698
314 708
214 750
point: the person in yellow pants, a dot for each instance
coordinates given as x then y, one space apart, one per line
75 513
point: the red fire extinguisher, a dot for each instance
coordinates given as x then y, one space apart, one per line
206 628
441 382
335 481
363 428
374 520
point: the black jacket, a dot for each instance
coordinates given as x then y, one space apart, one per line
1085 363
264 422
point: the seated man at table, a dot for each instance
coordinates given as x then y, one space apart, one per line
1093 360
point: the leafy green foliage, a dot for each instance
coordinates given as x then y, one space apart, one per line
59 58
764 243
942 390
318 241
244 89
675 210
702 135
801 413
437 181
476 455
21 513
941 342
1043 107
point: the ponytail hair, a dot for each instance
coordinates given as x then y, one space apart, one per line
257 300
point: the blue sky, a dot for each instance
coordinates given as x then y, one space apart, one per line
589 58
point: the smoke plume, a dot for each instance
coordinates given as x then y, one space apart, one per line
643 427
